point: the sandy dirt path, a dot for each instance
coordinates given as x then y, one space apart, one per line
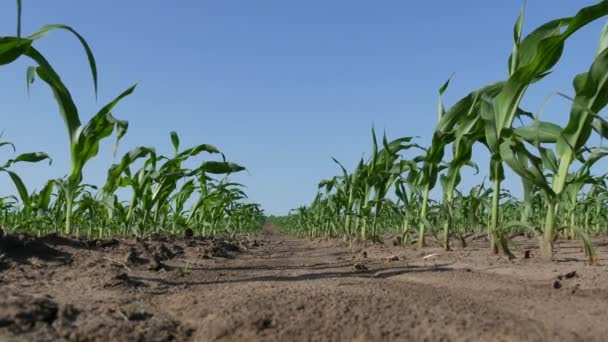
280 288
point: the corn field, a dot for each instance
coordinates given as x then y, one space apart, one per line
399 245
166 197
564 196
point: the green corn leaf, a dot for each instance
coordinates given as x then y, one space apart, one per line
549 160
191 152
538 53
175 141
600 126
30 77
67 108
603 44
12 48
524 163
32 157
20 186
591 97
444 87
214 167
517 31
114 179
49 28
43 200
6 143
87 138
539 132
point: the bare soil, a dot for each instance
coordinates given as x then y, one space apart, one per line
279 288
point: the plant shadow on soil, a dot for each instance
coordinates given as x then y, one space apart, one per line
377 274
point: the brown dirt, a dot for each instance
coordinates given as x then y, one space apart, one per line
279 288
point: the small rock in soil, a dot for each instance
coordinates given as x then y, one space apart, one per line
107 243
69 313
397 241
222 248
137 312
568 275
360 266
164 253
188 233
391 258
124 279
557 285
133 258
158 263
264 324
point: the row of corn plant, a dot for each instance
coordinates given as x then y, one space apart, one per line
166 197
563 190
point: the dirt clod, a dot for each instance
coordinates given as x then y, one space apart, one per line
23 313
391 258
263 324
188 233
107 243
397 241
223 249
568 275
124 279
133 258
360 267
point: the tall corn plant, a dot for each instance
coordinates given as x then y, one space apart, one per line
460 125
590 98
84 139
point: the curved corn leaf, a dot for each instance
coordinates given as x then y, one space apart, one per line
67 107
49 28
20 186
6 143
32 157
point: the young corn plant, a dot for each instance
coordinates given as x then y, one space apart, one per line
84 139
32 157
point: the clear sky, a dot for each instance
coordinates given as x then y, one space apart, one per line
280 86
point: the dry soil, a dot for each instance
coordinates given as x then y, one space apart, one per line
274 287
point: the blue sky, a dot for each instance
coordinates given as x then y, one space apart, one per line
279 86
